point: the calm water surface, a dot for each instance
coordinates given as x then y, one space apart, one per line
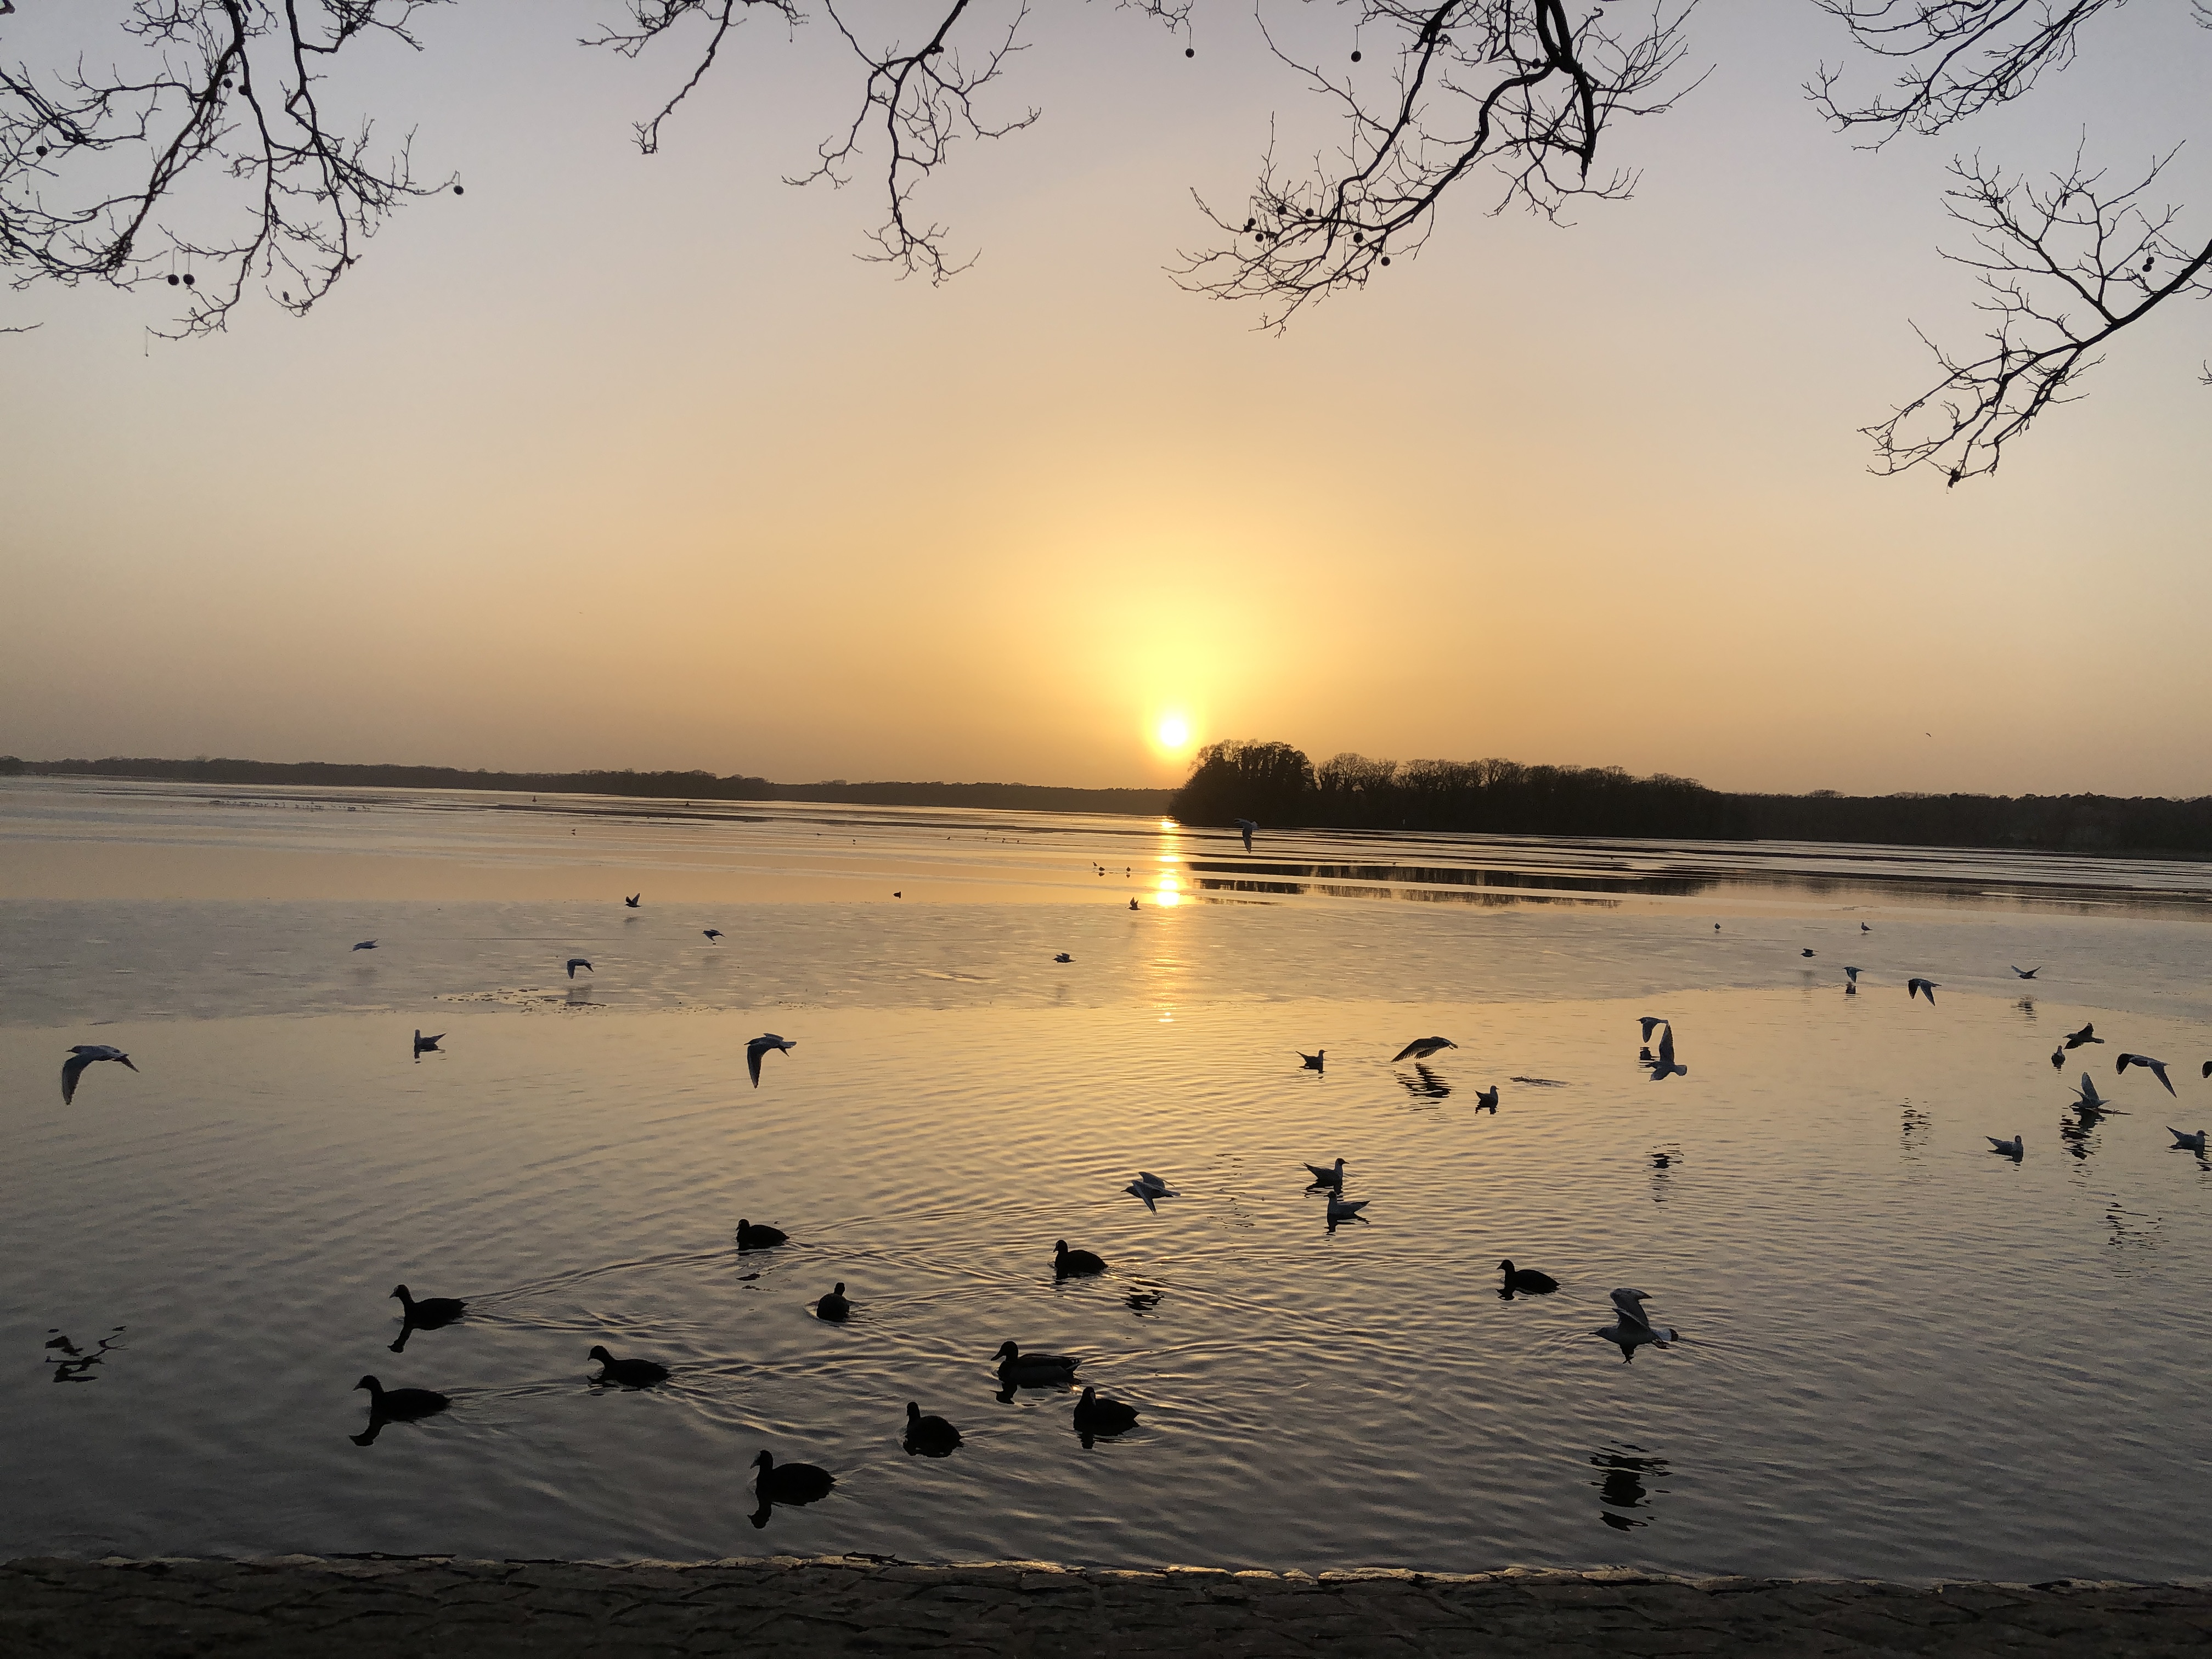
1903 1356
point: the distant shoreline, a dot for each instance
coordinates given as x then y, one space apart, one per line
356 1607
654 786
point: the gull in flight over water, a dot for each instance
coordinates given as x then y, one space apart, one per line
761 1045
2025 973
427 1045
2087 1100
631 900
1422 1048
81 1055
1631 1327
1927 987
712 932
2087 1033
1651 1024
366 945
1150 1187
1854 973
2155 1067
1250 829
574 963
1326 1175
2195 1143
2015 1149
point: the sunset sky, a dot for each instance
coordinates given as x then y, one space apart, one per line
626 461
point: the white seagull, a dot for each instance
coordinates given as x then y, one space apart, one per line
81 1055
761 1045
2155 1067
2195 1143
2015 1149
1927 987
1250 829
1632 1328
2087 1099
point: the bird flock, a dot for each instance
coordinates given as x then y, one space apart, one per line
1094 1415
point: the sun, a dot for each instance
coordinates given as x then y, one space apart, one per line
1174 731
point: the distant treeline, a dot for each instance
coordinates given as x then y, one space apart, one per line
658 786
1275 784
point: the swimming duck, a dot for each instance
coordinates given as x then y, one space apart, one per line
790 1483
933 1436
431 1311
400 1405
1034 1371
630 1373
1067 1263
834 1307
1096 1416
750 1238
1527 1279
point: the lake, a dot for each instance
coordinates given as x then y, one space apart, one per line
1901 1354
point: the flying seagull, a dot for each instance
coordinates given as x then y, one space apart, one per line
1651 1023
2087 1033
81 1055
761 1045
1422 1048
712 932
1327 1175
1927 987
1150 1187
1250 829
1313 1062
2025 973
2155 1067
574 963
631 900
1854 973
2015 1149
1632 1328
1664 1066
366 945
2087 1100
427 1045
2195 1143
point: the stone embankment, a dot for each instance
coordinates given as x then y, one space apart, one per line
432 1607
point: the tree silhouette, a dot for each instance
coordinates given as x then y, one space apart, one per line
218 114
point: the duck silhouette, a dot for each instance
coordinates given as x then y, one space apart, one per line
1068 1264
631 1373
929 1436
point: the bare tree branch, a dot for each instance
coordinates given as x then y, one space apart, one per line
1507 85
221 92
1960 57
2064 268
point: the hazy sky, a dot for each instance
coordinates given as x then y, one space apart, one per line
620 461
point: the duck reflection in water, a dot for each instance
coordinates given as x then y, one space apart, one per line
1620 1485
1425 1083
786 1483
427 1315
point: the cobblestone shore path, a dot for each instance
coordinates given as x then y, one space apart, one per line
430 1608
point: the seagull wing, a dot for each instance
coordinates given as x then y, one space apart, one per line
754 1050
2158 1071
1666 1047
72 1069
